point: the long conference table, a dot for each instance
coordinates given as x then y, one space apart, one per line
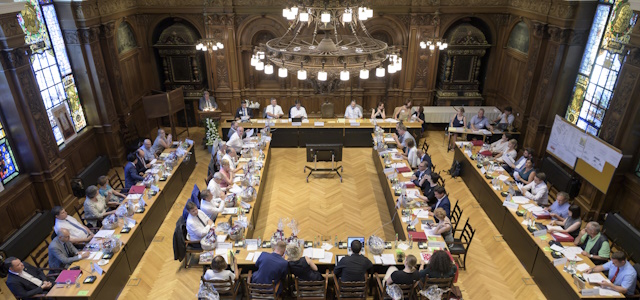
119 267
348 132
533 252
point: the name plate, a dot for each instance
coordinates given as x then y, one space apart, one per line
590 292
559 261
296 124
540 232
510 205
318 124
356 124
483 170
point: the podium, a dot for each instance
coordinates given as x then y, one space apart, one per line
163 104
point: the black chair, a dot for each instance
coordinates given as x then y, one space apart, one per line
456 215
461 245
408 290
425 146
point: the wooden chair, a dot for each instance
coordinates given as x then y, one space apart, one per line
636 293
327 110
456 215
191 247
443 283
408 290
312 289
350 289
461 245
425 146
116 182
41 260
227 289
261 291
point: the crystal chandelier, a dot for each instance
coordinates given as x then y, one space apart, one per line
434 43
207 44
327 41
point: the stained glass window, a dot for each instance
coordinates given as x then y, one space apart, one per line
51 66
8 167
601 63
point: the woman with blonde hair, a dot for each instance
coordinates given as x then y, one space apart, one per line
444 227
227 174
301 266
408 275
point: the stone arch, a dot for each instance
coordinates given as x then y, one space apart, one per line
159 24
252 26
391 27
487 26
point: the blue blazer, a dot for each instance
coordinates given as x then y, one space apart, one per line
271 267
445 204
417 181
427 158
131 175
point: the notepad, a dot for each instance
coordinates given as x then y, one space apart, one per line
388 259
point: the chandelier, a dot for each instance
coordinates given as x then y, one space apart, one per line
326 40
441 44
207 44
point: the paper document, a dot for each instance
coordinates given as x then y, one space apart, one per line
249 256
403 246
608 292
221 238
96 255
485 132
377 259
388 259
103 233
407 174
423 214
555 247
318 253
389 140
503 177
582 267
594 278
413 193
250 132
328 257
252 244
520 200
256 255
326 246
398 165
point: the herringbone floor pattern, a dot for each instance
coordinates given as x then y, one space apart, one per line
326 207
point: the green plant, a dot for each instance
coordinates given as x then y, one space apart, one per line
211 134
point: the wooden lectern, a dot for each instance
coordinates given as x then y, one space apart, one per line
165 104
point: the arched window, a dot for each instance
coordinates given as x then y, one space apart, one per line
8 166
603 57
52 69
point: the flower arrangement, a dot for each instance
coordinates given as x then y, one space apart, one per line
211 134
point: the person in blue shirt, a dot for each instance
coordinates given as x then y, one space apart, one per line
480 122
131 176
621 274
559 210
272 267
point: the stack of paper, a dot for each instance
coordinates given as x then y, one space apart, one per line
594 278
103 233
520 200
582 267
388 259
328 257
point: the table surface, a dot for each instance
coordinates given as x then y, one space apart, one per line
85 264
325 123
542 241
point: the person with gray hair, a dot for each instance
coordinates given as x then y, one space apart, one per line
273 111
301 266
559 210
149 155
209 206
236 141
162 141
62 253
214 186
593 243
95 206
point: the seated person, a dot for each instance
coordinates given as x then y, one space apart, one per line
227 175
207 102
402 137
302 266
499 145
424 156
232 129
198 224
506 118
78 233
479 121
298 111
236 141
231 156
440 266
244 113
131 175
163 141
411 154
408 275
62 253
25 280
520 163
273 111
458 120
442 200
378 112
353 111
403 112
272 267
95 206
149 155
107 192
621 274
418 116
429 190
209 206
594 244
219 270
559 210
444 227
571 224
419 177
528 173
214 186
353 267
537 190
141 165
509 152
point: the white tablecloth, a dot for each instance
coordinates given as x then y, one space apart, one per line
443 114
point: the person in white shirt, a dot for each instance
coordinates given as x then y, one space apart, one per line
411 154
506 117
403 137
231 156
210 206
77 231
273 111
25 280
298 111
509 152
236 141
198 224
352 111
537 190
219 270
214 186
499 145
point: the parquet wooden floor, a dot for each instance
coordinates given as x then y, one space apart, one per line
325 207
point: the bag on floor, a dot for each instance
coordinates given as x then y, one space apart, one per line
456 169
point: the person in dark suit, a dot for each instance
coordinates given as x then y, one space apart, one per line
442 201
206 102
419 178
25 280
131 176
353 267
141 164
244 112
272 267
62 253
423 156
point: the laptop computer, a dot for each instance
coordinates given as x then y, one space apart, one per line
351 239
296 120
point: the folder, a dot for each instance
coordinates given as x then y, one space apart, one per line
137 189
477 143
418 236
403 169
562 237
65 275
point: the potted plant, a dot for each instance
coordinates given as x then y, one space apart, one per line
212 135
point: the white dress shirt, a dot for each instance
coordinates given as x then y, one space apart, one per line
508 153
196 230
352 112
413 157
298 113
277 110
506 120
213 208
537 192
232 163
235 142
499 146
75 232
215 189
27 276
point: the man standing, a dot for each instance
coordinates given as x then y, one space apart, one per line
25 280
298 111
622 275
78 233
207 103
273 111
62 253
272 267
236 141
353 111
559 210
480 122
243 113
353 267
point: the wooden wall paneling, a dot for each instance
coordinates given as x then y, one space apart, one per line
19 188
24 206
